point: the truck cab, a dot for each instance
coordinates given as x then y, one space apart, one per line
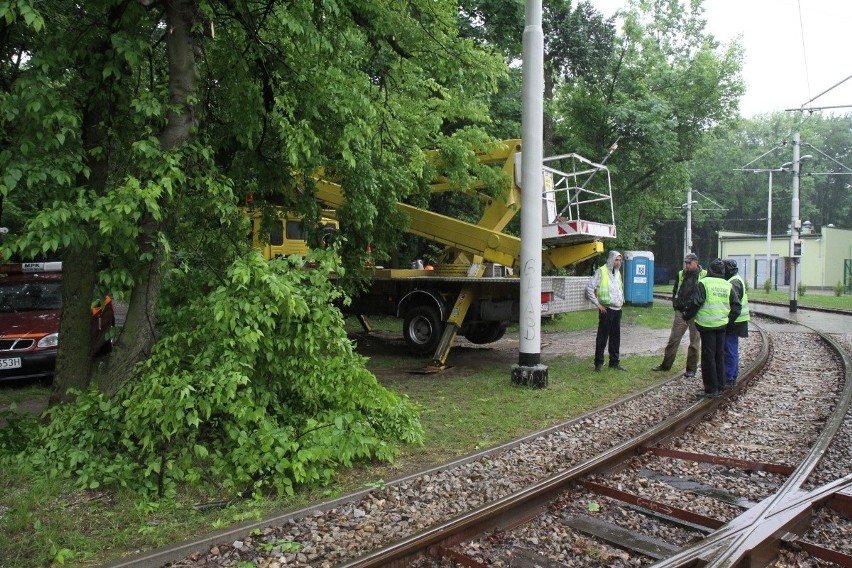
287 234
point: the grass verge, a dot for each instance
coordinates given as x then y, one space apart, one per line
45 524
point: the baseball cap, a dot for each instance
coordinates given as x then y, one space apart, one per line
690 256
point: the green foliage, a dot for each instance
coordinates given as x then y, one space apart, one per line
767 285
802 288
11 10
258 388
838 289
664 85
106 148
764 143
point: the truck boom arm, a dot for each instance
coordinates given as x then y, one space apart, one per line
567 241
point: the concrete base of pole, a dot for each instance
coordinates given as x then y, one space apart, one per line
534 376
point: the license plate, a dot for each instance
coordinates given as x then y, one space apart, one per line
12 363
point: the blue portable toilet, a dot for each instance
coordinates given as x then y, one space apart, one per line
639 278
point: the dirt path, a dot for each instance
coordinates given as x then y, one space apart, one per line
466 356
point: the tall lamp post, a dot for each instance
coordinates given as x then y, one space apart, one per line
784 168
530 370
769 275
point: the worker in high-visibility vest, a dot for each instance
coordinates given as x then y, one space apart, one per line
714 305
737 329
606 291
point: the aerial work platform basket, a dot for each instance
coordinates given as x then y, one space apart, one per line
575 191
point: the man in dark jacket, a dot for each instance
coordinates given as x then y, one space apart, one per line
714 305
740 326
684 287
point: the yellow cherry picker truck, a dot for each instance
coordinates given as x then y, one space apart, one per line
474 289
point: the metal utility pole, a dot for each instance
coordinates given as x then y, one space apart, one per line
769 275
687 240
795 226
529 370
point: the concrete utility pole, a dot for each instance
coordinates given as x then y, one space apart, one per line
529 370
687 239
769 276
795 226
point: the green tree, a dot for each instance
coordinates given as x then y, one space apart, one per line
132 131
668 83
765 142
168 113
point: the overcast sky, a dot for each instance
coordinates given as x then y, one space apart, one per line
794 49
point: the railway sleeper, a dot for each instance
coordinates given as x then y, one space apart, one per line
526 558
622 538
698 488
792 542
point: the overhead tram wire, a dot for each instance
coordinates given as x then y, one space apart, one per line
815 109
804 51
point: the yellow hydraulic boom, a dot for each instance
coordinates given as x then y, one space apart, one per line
567 241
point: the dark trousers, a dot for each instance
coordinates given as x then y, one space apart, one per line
609 331
713 359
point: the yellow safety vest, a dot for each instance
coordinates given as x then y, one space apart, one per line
603 287
714 312
744 313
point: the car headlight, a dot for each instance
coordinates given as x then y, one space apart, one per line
51 340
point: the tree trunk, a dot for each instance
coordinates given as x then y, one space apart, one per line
79 276
74 359
547 119
140 332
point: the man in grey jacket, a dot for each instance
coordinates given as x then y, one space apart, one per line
606 291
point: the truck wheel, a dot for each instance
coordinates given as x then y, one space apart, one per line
423 329
488 333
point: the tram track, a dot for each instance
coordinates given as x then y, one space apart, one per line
387 525
649 498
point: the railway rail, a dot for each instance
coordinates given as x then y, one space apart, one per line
677 494
550 523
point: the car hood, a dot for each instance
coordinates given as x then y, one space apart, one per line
29 323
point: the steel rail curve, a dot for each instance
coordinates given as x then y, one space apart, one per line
759 530
725 547
749 539
515 509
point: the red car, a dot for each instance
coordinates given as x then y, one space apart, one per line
30 307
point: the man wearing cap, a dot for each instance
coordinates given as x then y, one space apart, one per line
684 287
606 291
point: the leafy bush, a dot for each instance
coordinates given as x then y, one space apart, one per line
767 285
838 289
802 288
264 391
